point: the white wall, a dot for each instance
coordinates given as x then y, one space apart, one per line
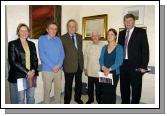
115 20
20 14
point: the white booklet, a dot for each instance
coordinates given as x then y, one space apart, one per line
22 84
105 79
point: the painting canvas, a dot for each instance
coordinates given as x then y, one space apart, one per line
137 11
96 23
41 15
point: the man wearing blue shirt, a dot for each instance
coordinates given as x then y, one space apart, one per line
51 53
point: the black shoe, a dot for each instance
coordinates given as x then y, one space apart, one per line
89 102
100 102
79 101
65 102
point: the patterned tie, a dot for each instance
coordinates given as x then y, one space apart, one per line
72 37
126 43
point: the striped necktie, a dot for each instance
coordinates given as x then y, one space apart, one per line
126 43
72 37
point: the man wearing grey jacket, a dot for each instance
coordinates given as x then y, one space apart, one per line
73 62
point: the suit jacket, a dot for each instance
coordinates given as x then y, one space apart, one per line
73 55
138 48
16 58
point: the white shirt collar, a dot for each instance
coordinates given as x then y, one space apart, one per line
72 34
51 37
131 30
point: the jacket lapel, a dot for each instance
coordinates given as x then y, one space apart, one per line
68 36
20 47
77 39
123 36
30 48
70 40
29 45
133 35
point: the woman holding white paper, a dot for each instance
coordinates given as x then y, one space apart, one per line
110 60
23 63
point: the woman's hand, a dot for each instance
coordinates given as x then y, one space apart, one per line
30 74
106 71
103 68
30 77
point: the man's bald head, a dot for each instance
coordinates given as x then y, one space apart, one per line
95 37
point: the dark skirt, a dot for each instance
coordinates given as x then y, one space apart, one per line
108 91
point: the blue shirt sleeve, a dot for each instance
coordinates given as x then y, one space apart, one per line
101 59
61 58
42 52
119 58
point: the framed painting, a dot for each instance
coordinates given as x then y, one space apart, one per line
96 23
137 11
40 16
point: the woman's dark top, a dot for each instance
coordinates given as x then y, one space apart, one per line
16 58
109 59
112 60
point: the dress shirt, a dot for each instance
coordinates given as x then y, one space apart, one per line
130 33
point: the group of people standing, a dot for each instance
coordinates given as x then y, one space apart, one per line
126 58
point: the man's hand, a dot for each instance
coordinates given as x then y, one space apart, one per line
56 69
86 73
142 70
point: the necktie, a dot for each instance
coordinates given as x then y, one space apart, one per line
72 37
126 43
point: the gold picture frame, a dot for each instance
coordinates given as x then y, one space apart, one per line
97 23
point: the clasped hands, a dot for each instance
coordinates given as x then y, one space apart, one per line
106 70
30 74
56 69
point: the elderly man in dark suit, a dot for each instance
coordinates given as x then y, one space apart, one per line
136 58
73 62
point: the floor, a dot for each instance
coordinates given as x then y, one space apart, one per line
148 93
84 98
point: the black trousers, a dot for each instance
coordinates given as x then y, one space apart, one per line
68 86
129 77
109 91
91 82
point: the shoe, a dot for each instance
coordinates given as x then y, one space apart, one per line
100 102
79 101
89 102
65 102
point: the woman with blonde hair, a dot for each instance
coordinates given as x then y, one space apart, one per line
23 64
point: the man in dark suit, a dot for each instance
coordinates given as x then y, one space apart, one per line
73 62
136 58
